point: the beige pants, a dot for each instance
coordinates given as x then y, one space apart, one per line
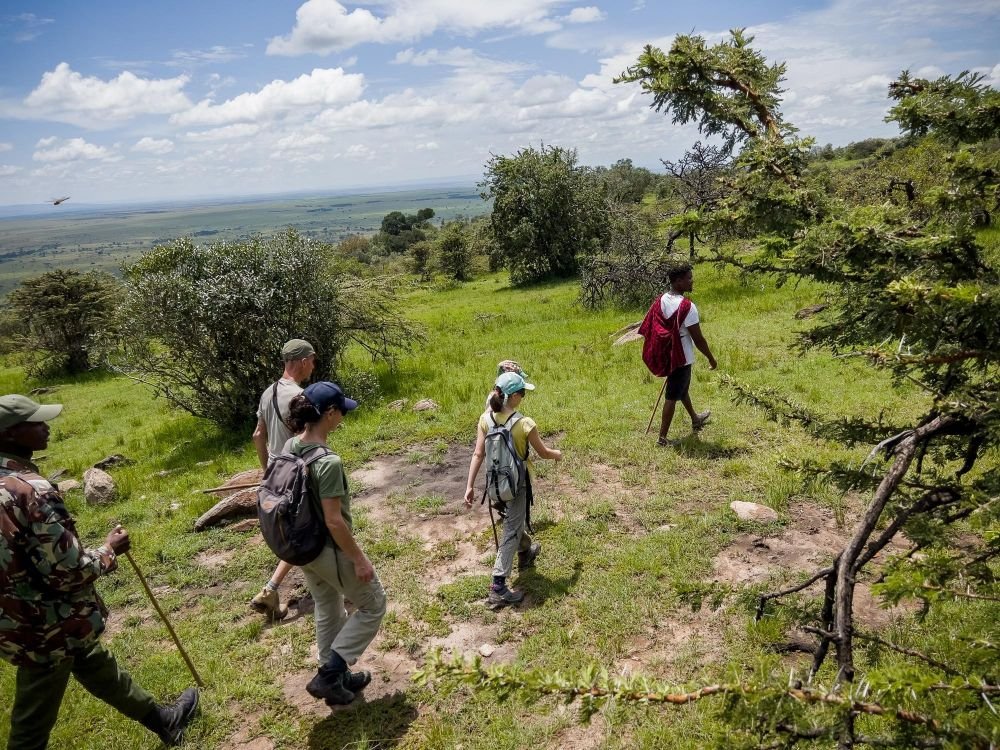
331 578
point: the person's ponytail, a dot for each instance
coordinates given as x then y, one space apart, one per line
301 412
496 400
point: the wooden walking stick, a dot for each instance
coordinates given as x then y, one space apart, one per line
656 406
163 616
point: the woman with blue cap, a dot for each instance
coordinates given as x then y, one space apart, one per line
502 411
342 568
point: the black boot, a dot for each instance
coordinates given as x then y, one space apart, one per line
329 684
357 681
169 722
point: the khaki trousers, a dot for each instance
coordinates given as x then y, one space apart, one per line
331 578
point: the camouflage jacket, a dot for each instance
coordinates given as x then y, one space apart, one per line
48 604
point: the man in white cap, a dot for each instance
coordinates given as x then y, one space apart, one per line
269 439
52 616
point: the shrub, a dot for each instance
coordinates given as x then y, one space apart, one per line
204 325
56 318
631 270
547 210
452 252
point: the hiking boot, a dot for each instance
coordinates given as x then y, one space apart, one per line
169 722
701 420
267 602
357 681
526 558
329 682
503 596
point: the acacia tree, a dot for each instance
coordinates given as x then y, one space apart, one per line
58 316
912 295
697 180
547 210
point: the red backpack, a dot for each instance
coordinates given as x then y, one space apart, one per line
662 350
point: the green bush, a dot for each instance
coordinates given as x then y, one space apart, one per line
204 325
547 211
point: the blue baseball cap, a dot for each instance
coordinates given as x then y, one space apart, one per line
511 382
325 394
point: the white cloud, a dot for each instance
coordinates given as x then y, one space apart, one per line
226 133
359 151
6 170
325 26
321 87
456 57
157 146
213 55
6 146
588 14
429 146
28 26
68 96
53 149
297 141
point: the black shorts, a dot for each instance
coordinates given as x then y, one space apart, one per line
678 383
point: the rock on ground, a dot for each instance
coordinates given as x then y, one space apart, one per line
426 404
99 487
753 512
68 484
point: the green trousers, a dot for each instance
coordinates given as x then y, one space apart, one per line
39 691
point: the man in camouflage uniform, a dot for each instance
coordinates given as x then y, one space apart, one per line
51 616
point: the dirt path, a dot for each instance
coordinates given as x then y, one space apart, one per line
418 495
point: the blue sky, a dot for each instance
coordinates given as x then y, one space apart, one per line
115 101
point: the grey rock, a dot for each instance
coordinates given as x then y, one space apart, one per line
99 487
426 404
68 484
396 405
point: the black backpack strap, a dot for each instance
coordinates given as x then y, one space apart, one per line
274 401
315 453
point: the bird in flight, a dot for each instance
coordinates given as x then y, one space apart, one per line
57 201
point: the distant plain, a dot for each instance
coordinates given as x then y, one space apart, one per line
102 238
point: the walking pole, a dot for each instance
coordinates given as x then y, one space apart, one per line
163 616
656 406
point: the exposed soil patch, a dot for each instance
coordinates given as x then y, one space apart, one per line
807 544
678 648
587 736
245 738
214 559
470 637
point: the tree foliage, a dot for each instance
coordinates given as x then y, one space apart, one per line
399 231
57 317
623 182
453 254
699 180
547 210
204 325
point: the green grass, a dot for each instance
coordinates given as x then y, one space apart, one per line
602 580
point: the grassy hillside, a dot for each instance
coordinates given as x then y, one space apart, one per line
644 567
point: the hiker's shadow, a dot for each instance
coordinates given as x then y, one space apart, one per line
696 447
538 587
380 723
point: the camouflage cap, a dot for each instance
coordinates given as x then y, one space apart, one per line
296 349
509 365
15 409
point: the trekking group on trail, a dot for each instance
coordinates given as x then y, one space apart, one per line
51 616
